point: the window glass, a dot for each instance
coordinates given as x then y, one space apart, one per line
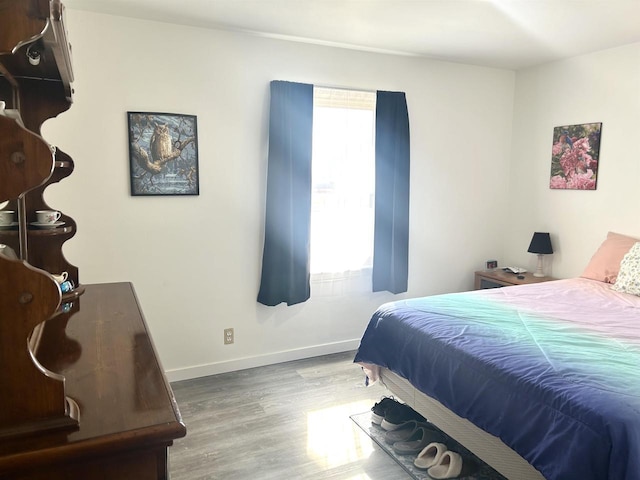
343 173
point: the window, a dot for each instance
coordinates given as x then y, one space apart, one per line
285 262
343 180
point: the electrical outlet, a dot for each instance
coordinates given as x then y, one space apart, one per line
228 336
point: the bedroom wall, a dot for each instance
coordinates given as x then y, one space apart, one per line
599 87
195 261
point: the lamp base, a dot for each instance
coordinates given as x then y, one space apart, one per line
539 273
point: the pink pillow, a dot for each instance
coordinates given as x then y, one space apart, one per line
605 263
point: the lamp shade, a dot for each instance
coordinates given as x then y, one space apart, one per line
540 244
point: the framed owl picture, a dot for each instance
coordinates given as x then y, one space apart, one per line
163 153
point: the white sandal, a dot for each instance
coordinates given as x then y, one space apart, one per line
452 465
430 455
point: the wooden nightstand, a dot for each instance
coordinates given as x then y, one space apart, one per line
499 278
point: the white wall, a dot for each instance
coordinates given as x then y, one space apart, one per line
600 87
195 261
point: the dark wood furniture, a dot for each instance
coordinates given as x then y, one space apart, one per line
83 394
499 278
128 414
35 85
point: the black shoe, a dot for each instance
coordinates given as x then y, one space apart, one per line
399 414
379 410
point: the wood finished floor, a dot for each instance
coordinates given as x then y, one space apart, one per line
285 421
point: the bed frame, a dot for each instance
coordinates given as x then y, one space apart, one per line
485 446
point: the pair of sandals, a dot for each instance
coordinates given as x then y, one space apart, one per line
411 437
441 463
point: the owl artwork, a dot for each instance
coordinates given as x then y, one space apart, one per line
160 143
163 153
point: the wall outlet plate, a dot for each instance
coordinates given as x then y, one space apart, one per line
228 336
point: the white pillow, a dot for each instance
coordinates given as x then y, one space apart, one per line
628 280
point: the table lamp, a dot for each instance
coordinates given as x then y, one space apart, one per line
540 245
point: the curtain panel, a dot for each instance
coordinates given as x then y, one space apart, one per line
391 230
285 261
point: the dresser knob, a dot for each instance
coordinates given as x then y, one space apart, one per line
17 157
25 298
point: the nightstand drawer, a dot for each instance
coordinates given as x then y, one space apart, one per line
486 283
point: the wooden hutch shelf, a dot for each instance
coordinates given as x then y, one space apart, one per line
83 392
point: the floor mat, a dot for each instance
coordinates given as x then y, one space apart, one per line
376 433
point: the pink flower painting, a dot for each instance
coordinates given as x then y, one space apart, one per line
574 156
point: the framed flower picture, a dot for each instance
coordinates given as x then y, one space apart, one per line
575 155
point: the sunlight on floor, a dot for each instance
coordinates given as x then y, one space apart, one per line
334 440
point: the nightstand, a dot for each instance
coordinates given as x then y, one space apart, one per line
499 278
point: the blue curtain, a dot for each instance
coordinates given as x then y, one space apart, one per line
391 231
285 260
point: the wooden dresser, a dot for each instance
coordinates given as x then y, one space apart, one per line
128 414
82 392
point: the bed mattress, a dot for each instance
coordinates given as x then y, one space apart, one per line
552 369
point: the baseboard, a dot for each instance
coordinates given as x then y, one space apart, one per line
260 360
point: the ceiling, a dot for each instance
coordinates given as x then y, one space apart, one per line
510 34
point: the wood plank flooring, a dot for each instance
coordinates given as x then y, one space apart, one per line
285 421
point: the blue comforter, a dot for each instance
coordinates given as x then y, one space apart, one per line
552 369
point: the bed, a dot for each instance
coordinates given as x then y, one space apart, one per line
540 381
